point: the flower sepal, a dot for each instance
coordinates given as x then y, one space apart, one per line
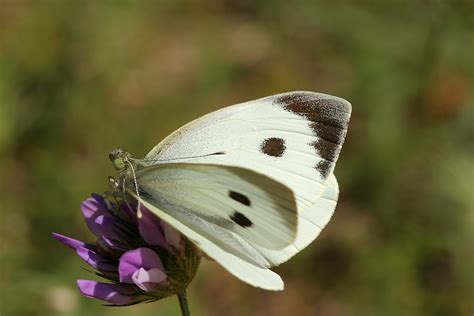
182 269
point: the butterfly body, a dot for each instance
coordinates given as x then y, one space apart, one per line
251 184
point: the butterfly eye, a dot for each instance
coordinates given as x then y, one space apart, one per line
117 156
119 163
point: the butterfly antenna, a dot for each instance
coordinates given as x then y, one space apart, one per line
139 213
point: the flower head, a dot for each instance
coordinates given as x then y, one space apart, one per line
142 257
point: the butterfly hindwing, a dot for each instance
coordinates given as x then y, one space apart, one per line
245 260
242 268
260 210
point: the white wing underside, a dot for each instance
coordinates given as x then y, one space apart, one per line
252 268
198 195
244 270
293 138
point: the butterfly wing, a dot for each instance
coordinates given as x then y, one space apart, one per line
232 206
310 223
231 213
294 138
241 268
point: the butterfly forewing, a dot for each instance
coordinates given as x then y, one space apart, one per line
294 138
311 221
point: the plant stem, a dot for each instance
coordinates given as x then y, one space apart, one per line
183 303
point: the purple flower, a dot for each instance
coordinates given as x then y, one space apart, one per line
129 253
159 233
116 294
143 268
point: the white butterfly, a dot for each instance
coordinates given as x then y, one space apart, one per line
251 184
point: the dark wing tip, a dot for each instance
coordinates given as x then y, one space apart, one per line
316 107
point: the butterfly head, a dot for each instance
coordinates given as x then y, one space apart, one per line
120 159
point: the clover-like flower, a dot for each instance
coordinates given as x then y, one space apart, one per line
143 258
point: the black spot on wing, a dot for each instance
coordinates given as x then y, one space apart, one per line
239 197
274 147
240 219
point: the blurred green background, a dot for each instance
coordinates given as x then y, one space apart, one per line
78 78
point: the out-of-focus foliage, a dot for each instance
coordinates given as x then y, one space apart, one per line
78 78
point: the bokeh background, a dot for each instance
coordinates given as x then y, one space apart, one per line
78 78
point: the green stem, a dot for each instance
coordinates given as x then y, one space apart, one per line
183 303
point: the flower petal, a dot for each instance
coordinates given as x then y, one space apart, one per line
157 232
172 236
129 213
112 246
71 243
117 294
150 229
100 199
126 270
91 208
148 280
96 260
133 260
107 226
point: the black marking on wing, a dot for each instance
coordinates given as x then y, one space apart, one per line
328 132
212 228
324 168
327 111
326 149
274 147
239 197
241 220
328 119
